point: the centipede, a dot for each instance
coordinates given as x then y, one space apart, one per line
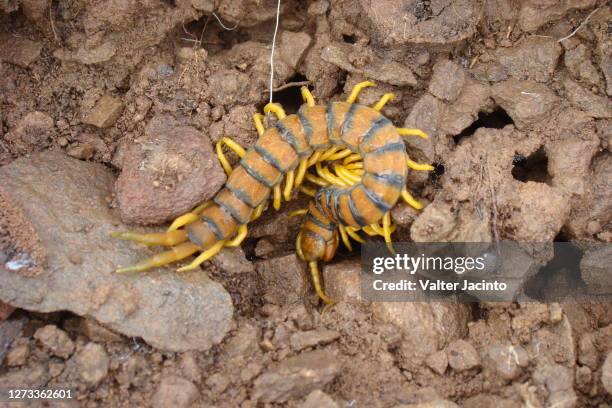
348 157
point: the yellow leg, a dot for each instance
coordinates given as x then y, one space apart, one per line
289 185
258 120
340 155
299 177
170 238
189 217
240 236
239 150
316 280
354 166
298 213
307 96
316 180
330 178
177 253
204 256
257 212
386 222
277 197
352 177
357 89
352 158
276 109
345 238
419 166
314 158
308 191
352 232
410 200
329 152
383 101
298 246
412 132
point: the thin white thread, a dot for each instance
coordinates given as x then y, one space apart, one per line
273 47
586 20
223 25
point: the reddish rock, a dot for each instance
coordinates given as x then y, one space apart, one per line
166 173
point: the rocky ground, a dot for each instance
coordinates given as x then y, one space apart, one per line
109 110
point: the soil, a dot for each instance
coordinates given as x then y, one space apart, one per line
115 105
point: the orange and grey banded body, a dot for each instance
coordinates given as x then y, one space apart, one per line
360 168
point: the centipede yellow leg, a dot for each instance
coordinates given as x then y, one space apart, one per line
289 185
329 152
169 238
412 132
259 126
314 158
297 213
383 101
307 96
410 200
316 280
298 246
276 109
340 155
419 166
299 177
177 253
345 238
352 232
386 222
308 191
239 150
257 212
351 158
357 90
330 178
204 256
189 217
316 180
277 197
240 236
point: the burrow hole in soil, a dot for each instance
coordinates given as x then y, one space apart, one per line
531 168
560 277
437 173
349 39
497 119
290 98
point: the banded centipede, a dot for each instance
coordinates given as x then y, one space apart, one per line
370 167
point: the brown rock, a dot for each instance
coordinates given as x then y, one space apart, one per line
19 51
595 270
489 400
594 105
10 330
319 399
55 340
578 62
92 330
292 47
606 373
88 56
559 381
189 367
378 69
533 58
507 360
17 355
296 376
174 312
33 132
285 279
527 102
233 261
462 355
474 98
447 80
437 361
92 363
311 338
439 403
426 115
105 113
166 173
5 311
534 14
174 392
342 281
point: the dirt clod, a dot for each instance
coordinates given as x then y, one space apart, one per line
311 338
462 355
175 392
319 399
105 113
447 80
296 376
33 132
92 362
55 340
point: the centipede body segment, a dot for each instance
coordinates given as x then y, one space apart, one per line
360 164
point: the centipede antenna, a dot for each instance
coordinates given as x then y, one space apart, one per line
419 166
412 132
204 256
